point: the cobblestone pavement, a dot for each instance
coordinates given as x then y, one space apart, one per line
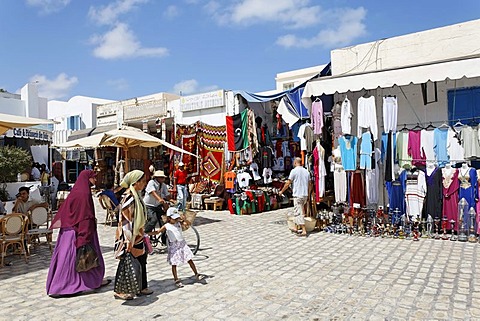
258 270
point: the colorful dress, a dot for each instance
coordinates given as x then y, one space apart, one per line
450 194
468 190
178 251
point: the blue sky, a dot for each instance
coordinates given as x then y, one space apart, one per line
127 48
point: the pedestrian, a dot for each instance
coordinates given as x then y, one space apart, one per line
178 251
24 203
156 198
78 230
35 173
130 237
44 175
300 178
180 185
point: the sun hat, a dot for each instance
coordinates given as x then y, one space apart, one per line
172 211
181 164
159 174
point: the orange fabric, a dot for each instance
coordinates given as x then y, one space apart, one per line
230 180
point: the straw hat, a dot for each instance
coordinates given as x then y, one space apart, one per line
159 174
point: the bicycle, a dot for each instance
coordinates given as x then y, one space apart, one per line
190 233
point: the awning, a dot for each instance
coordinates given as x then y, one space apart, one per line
13 121
468 67
82 133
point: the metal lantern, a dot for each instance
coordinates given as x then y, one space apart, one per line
462 214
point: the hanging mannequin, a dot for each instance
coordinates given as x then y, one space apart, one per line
339 177
415 192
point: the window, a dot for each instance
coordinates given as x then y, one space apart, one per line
464 105
288 86
74 123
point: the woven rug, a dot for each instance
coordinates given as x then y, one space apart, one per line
186 138
212 159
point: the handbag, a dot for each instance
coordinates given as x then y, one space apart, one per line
148 244
128 278
86 259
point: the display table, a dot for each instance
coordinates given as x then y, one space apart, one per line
214 203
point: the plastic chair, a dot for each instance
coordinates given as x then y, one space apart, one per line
13 227
39 221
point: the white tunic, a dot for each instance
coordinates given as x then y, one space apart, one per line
390 111
346 117
426 145
454 148
367 116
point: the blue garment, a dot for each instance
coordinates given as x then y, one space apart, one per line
440 146
366 151
295 129
111 195
384 146
469 193
396 193
348 151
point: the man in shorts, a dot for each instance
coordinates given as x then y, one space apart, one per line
300 178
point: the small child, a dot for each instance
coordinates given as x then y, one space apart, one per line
178 251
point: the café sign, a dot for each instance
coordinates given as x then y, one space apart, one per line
29 133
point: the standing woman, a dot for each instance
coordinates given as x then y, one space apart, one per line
130 234
78 229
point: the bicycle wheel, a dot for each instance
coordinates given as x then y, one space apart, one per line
192 238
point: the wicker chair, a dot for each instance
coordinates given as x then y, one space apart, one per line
13 227
107 204
39 221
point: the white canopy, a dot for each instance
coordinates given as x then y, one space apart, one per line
388 78
13 121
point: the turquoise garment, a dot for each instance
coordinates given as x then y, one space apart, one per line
366 151
348 151
440 146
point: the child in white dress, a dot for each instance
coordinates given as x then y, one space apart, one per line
178 251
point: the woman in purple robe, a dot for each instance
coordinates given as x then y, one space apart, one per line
76 220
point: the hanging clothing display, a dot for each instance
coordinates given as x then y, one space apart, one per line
404 160
348 150
319 171
372 180
415 192
317 116
440 146
337 123
455 151
469 137
390 111
305 133
414 148
388 149
357 192
367 116
450 184
346 117
478 204
366 151
396 192
433 199
427 145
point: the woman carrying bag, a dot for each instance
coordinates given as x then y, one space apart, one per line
77 263
131 276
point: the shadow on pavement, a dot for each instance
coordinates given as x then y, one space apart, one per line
204 220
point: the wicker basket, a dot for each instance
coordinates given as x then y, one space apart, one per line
310 223
189 218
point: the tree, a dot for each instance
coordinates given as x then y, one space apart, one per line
13 160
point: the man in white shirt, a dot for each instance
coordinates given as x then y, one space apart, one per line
24 203
156 197
300 178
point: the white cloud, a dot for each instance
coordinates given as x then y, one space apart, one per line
121 42
171 12
56 88
107 15
118 84
191 86
292 14
349 26
48 6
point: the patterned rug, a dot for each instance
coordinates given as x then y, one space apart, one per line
186 138
212 159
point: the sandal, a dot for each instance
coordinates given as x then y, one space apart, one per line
179 284
200 277
146 291
123 296
105 282
302 235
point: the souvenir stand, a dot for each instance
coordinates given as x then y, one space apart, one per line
402 179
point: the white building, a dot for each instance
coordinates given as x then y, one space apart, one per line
77 113
27 103
434 74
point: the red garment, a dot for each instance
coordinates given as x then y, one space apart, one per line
278 148
181 177
78 210
414 149
357 191
450 199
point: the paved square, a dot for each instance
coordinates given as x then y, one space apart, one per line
258 270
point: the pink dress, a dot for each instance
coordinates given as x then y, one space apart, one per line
477 218
414 150
450 196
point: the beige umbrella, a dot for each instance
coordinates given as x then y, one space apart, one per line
13 121
127 137
84 142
